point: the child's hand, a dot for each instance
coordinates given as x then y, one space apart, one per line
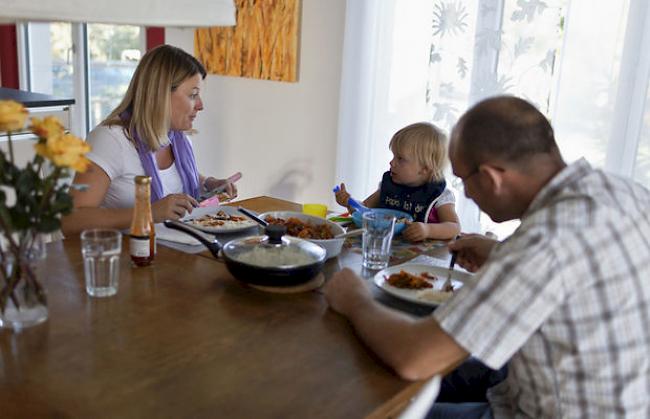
342 196
415 232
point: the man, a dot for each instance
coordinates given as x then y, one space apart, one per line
565 300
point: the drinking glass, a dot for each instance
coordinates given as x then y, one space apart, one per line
376 239
318 210
101 250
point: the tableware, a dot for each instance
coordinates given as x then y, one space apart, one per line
341 219
351 233
428 296
101 250
318 210
401 218
332 246
376 239
358 206
221 188
273 259
228 227
446 286
252 216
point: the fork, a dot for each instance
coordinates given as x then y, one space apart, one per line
447 285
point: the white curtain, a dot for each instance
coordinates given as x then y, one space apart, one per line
584 63
189 13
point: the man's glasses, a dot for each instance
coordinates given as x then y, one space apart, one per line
464 179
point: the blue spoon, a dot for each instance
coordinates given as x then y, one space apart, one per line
358 206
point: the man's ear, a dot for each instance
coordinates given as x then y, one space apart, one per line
494 175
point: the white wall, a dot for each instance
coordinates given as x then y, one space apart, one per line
281 136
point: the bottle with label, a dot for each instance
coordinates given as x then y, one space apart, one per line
142 236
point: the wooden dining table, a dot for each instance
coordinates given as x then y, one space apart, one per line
183 338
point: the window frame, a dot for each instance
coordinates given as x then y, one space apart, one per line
81 110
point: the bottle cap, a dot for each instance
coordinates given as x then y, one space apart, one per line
142 180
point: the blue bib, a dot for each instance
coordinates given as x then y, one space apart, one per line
412 199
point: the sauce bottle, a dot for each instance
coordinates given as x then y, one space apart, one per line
142 235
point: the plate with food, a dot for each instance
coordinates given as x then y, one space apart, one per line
420 283
219 220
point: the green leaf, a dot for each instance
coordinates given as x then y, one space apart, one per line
48 224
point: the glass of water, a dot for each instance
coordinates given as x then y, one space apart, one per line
101 250
376 239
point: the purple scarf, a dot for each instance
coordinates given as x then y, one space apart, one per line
183 158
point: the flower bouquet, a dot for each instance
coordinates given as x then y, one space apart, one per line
32 200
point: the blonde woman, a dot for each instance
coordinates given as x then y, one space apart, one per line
145 135
415 184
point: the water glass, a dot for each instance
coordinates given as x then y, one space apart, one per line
318 210
101 250
376 239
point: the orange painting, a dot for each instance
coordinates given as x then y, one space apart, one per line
262 45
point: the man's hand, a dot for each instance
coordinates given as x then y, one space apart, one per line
345 291
473 250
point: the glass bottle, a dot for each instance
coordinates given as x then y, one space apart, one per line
142 235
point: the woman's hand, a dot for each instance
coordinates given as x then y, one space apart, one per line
172 207
212 183
473 250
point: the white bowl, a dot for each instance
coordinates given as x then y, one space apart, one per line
332 246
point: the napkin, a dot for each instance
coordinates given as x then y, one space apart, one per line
175 236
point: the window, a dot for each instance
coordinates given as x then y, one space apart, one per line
93 63
585 65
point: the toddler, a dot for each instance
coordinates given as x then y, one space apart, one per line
415 184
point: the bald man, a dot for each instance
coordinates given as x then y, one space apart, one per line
565 300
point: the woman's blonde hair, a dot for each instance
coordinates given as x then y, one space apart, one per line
425 143
148 98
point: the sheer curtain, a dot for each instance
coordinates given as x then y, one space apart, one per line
585 64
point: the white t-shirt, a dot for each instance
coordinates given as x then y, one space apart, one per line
118 157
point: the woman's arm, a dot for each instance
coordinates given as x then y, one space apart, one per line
88 214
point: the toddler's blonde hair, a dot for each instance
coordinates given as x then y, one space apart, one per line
426 143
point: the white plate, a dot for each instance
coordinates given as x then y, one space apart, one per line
226 228
427 296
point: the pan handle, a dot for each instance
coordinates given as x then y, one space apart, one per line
213 245
252 216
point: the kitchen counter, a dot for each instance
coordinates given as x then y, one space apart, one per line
33 100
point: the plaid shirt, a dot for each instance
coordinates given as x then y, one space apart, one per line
565 301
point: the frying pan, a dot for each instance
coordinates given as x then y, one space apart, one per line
289 261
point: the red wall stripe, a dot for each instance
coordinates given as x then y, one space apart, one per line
155 37
8 57
9 52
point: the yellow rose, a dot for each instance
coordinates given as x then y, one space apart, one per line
48 127
65 151
12 115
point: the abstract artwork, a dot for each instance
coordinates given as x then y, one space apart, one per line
262 45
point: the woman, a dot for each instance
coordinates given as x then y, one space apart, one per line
144 135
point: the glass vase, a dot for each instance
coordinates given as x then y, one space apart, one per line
22 296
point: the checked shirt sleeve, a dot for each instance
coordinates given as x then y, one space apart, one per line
517 289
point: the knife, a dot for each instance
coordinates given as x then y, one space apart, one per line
232 179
